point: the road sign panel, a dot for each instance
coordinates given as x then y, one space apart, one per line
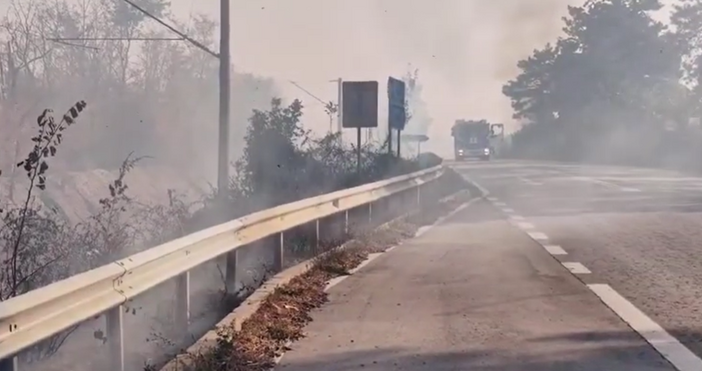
396 101
359 108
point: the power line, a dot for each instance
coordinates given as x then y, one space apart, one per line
58 39
308 92
172 29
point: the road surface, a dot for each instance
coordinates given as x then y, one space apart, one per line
561 268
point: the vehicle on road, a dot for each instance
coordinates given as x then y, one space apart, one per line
475 139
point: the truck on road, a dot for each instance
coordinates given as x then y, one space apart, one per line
476 139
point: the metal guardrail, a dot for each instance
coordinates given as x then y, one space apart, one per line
30 318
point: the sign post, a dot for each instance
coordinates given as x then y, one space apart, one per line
360 109
396 110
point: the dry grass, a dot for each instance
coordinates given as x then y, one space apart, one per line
282 317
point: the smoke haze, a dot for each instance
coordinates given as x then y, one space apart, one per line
464 50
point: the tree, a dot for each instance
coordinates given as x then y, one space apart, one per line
613 70
155 97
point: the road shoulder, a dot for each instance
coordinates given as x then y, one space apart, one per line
473 293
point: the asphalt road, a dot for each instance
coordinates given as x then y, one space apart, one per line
561 268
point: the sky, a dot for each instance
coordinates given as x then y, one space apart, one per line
465 50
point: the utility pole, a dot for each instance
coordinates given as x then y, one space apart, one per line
224 78
224 99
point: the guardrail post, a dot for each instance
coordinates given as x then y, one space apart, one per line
317 238
419 195
183 302
9 364
115 337
230 271
370 214
346 223
279 252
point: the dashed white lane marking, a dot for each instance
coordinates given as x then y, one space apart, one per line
538 236
525 225
529 181
492 199
500 204
576 268
508 210
669 347
555 250
608 184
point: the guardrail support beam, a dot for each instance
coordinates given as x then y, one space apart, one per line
370 214
317 237
183 302
279 251
419 195
346 223
9 364
115 337
230 271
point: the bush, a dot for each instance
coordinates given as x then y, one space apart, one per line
283 162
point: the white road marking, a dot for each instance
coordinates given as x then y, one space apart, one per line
538 236
501 204
508 210
576 268
516 218
529 181
525 225
555 250
607 184
425 229
492 199
669 347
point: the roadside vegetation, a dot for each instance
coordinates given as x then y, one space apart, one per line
146 103
282 162
619 87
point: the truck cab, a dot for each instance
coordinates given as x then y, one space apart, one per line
474 139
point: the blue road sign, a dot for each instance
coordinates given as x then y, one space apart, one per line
359 107
396 100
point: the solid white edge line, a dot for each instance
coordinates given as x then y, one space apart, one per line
668 346
576 268
457 210
555 250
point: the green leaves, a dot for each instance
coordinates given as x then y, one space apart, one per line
595 77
